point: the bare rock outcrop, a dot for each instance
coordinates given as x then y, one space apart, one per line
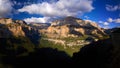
73 27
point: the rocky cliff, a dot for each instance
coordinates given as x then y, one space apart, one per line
73 27
17 28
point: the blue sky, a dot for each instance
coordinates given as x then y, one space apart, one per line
104 12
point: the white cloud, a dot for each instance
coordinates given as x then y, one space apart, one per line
117 20
5 7
112 8
61 8
37 20
110 20
105 23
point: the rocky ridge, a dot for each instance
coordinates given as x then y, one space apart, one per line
17 28
73 27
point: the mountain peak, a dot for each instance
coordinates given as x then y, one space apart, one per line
74 22
74 27
66 21
71 18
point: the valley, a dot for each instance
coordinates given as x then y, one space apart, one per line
61 40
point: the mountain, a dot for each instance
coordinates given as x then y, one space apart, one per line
10 21
70 34
10 27
23 44
109 31
17 37
16 28
101 54
67 33
73 27
40 25
70 41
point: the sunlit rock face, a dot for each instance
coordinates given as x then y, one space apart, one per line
6 20
73 27
17 28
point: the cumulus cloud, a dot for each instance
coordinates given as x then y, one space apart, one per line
110 20
114 20
37 20
61 8
105 23
112 8
5 7
117 20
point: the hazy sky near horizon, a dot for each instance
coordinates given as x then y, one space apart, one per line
104 12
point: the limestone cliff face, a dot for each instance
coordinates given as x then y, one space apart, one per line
16 28
73 27
10 21
58 31
6 20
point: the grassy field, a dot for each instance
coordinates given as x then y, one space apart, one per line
67 49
